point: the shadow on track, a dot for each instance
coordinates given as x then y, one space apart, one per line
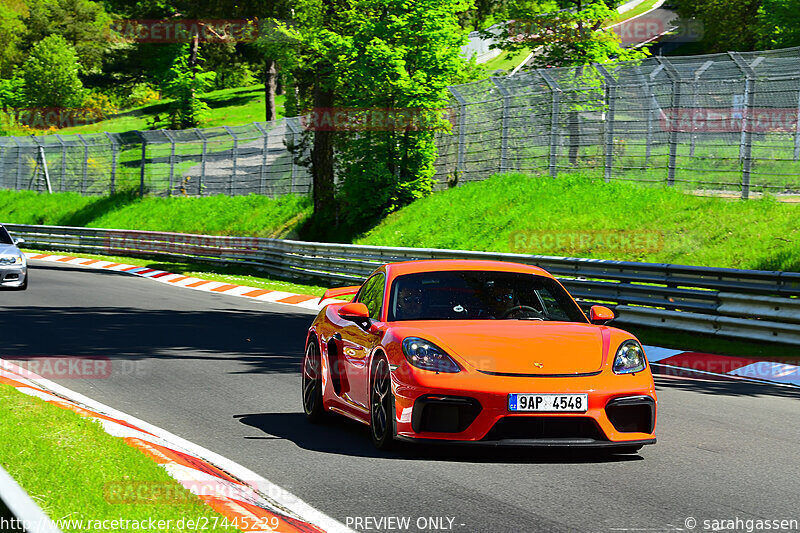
341 436
266 342
725 387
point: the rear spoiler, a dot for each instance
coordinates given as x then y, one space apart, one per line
340 291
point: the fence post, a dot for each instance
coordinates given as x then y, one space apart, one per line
85 165
555 94
235 153
142 163
43 157
3 152
462 134
63 161
19 164
504 124
264 151
746 141
290 125
797 131
113 162
608 123
171 139
651 110
203 154
675 78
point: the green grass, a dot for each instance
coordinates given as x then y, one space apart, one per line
249 277
250 215
490 214
40 443
638 10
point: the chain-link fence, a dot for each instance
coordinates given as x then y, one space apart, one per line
720 123
723 122
256 158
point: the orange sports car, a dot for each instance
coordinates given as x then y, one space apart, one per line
480 352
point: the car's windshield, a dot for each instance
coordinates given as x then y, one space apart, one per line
477 295
5 238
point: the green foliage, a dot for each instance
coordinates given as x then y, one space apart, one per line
779 24
184 84
84 24
51 74
728 25
572 36
12 28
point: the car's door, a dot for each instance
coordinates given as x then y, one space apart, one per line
358 341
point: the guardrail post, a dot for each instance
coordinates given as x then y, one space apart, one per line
462 134
555 94
675 78
142 164
203 158
746 141
608 123
264 151
504 124
171 160
113 162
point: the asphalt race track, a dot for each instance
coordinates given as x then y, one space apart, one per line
224 372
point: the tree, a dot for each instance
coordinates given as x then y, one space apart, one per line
12 29
51 74
727 24
84 24
185 82
778 24
571 36
368 58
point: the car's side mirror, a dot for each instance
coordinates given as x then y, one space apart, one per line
355 311
19 241
600 315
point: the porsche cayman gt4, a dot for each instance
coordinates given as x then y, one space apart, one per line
478 352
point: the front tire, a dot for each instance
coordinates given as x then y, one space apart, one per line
312 383
381 412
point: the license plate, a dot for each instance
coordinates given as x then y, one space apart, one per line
551 403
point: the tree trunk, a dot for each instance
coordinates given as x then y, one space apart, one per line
322 151
270 79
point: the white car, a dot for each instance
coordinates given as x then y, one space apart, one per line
13 264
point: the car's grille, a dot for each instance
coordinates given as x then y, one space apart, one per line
444 414
545 427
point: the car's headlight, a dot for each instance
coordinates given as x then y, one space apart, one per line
10 259
630 358
426 355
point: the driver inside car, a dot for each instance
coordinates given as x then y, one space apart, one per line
409 304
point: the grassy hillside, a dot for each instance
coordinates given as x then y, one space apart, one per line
516 213
213 215
571 216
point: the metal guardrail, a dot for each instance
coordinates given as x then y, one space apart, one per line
18 511
753 304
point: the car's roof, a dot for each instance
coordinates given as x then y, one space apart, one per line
434 265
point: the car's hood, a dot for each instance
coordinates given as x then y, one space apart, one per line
519 346
8 249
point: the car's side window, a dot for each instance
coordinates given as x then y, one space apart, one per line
371 295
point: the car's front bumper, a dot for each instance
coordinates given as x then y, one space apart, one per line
13 276
473 408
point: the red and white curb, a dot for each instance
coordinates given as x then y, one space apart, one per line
299 300
246 499
680 363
